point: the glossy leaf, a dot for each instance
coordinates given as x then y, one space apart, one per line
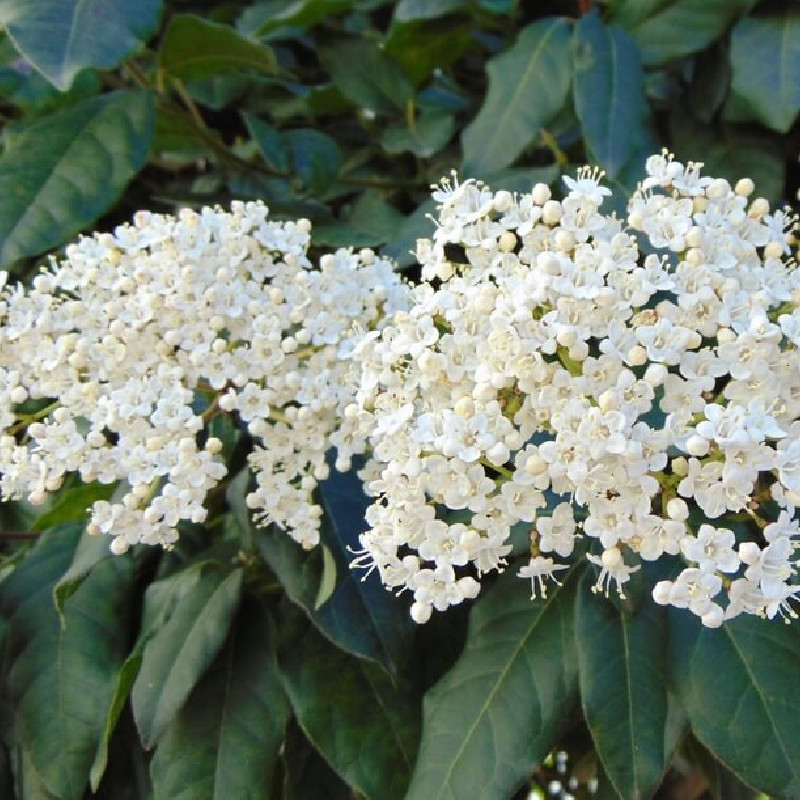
608 87
63 171
366 728
367 76
765 57
623 680
91 550
676 28
60 679
528 85
738 684
62 37
225 741
426 9
73 504
496 714
194 47
264 18
178 654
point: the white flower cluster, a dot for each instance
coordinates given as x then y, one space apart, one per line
117 357
628 388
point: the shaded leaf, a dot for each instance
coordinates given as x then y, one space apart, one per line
270 142
738 684
421 46
623 681
306 773
58 679
63 171
417 225
732 152
765 58
431 132
367 76
496 715
366 729
316 158
62 37
370 222
179 653
670 29
528 85
194 47
710 83
224 742
608 87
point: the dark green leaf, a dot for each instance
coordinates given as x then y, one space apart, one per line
73 504
178 654
738 684
497 713
422 46
63 171
528 85
418 225
710 84
426 9
370 222
62 37
269 142
61 679
91 550
623 681
608 87
194 47
430 133
732 152
675 28
306 773
361 616
365 728
367 76
262 19
224 743
122 689
316 158
765 57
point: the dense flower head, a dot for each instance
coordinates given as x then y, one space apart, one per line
629 388
115 360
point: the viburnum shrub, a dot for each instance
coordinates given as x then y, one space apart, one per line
628 389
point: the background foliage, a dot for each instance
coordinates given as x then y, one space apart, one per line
237 666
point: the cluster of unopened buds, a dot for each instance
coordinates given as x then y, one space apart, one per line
624 388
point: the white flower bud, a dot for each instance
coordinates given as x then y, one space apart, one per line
540 194
697 445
